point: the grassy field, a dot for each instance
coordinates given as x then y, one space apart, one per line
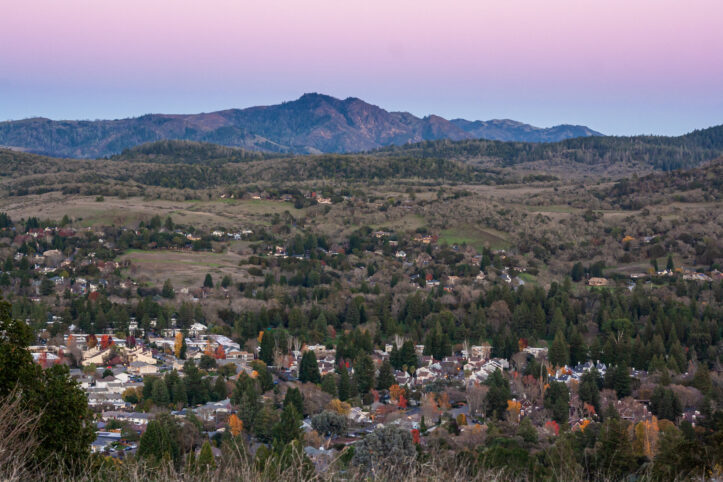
183 268
410 222
474 236
114 211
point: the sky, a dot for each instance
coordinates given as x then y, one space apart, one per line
618 66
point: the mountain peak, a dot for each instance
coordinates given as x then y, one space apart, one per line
312 123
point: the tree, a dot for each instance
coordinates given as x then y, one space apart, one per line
219 388
264 424
498 394
559 352
157 443
664 403
235 424
557 400
65 424
670 266
339 407
364 373
226 281
328 384
386 376
207 362
344 385
589 388
288 428
294 397
578 271
385 447
614 457
330 423
267 347
160 393
206 460
309 368
208 281
167 291
246 397
263 375
178 344
622 382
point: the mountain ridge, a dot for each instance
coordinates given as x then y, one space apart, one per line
314 123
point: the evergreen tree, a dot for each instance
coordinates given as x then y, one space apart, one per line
408 356
179 393
219 388
589 389
160 393
497 395
208 281
294 397
664 403
167 291
264 424
558 353
670 266
344 385
622 382
557 400
364 373
157 443
614 457
288 428
206 461
328 384
309 368
386 376
267 348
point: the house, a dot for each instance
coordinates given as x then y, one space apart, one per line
197 329
142 368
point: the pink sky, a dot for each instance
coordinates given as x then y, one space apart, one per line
618 66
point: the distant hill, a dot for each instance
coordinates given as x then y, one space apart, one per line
509 130
312 124
636 152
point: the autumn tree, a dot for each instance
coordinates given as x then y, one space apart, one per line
235 424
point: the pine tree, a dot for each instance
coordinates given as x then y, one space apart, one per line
167 291
309 368
386 376
206 460
208 281
344 385
558 353
219 388
267 348
294 397
328 384
288 428
622 382
264 424
364 373
160 393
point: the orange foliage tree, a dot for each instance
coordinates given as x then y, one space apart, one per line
513 409
236 424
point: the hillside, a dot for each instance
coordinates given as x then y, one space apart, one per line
636 152
314 123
